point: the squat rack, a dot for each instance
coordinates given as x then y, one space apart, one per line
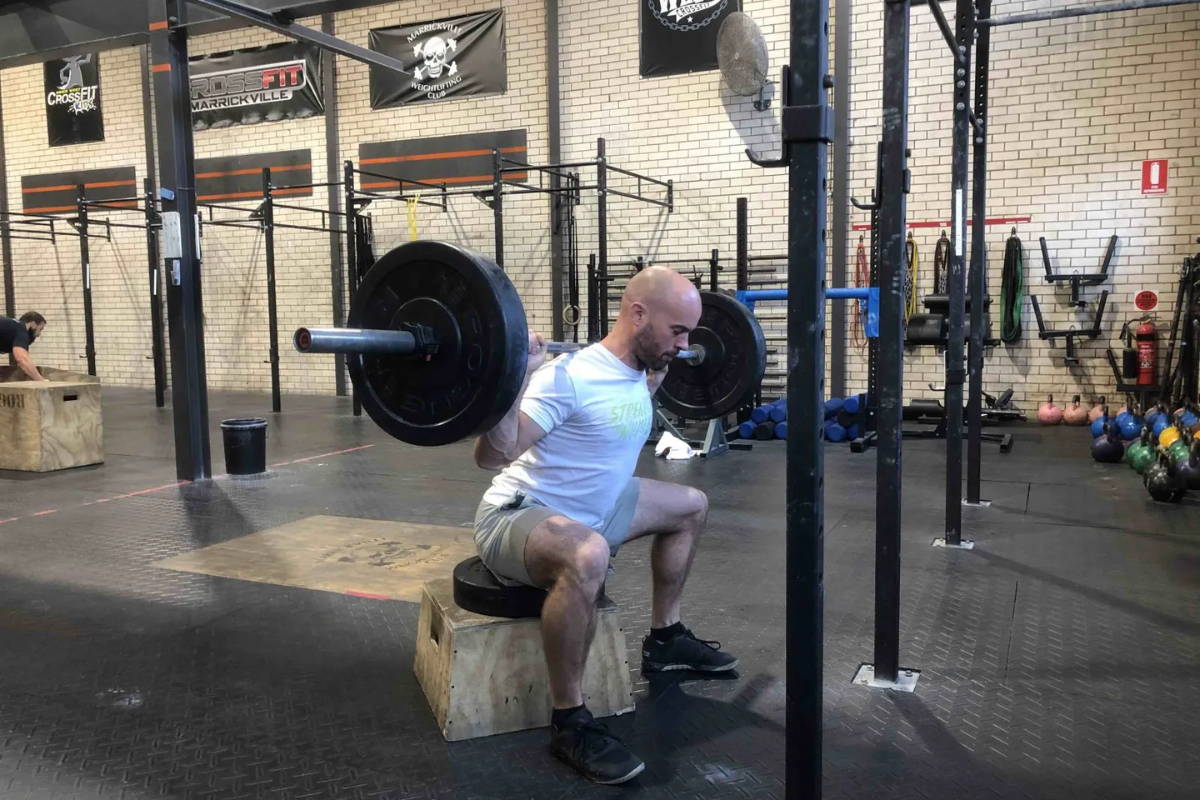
263 219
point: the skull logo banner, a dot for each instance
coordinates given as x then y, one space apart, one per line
446 58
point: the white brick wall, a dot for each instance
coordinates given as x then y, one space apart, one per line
1076 105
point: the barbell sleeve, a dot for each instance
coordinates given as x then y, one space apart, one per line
399 343
354 340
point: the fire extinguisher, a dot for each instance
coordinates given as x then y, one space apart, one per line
1147 353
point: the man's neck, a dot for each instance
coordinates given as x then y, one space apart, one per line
621 346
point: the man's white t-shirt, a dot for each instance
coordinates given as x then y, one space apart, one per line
596 412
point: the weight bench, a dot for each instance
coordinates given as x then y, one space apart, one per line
481 664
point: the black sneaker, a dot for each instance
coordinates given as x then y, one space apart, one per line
598 755
685 651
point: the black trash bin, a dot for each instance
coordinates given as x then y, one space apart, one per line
245 445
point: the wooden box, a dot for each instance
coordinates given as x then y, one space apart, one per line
50 425
486 675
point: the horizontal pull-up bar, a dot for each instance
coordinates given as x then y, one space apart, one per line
1081 11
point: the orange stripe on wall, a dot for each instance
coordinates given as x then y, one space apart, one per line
250 171
161 68
96 185
158 26
461 179
435 156
54 209
258 194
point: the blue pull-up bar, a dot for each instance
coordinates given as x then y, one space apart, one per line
867 297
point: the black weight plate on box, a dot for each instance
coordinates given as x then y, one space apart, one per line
477 590
734 361
479 323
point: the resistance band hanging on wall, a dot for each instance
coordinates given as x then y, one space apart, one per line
910 278
941 257
862 277
412 215
1012 290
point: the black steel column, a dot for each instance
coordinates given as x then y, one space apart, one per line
557 200
189 385
10 298
351 256
498 205
714 268
743 244
337 278
593 325
602 234
979 279
268 226
157 354
843 45
85 266
964 23
807 155
892 210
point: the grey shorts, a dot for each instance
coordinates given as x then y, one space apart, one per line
502 531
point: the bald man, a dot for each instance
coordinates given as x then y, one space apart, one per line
566 500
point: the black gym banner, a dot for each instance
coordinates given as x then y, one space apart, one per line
56 192
680 36
446 58
460 160
234 178
259 84
73 114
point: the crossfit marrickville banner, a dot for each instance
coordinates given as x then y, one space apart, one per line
681 35
261 84
73 111
447 58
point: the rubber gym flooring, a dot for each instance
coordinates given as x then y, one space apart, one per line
1060 658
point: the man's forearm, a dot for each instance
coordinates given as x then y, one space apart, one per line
29 368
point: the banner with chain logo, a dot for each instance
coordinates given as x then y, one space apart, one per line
680 36
73 111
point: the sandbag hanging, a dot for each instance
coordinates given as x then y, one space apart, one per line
862 277
941 259
1012 290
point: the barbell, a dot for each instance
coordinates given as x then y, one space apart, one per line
437 343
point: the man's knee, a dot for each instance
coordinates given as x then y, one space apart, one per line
697 504
566 550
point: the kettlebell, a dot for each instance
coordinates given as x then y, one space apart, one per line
1169 435
1163 481
1048 413
1099 422
1074 413
1140 454
1097 411
1160 424
1123 415
1189 468
1155 413
1188 418
1131 427
1107 448
1178 451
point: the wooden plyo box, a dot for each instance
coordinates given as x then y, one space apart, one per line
487 675
50 425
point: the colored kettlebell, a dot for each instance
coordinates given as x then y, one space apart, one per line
1099 422
1097 410
1169 436
1160 424
1131 427
1189 468
1140 454
1123 415
1179 451
1107 448
1163 481
1154 415
1188 418
1048 413
1074 413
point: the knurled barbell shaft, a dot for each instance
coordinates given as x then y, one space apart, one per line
401 343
